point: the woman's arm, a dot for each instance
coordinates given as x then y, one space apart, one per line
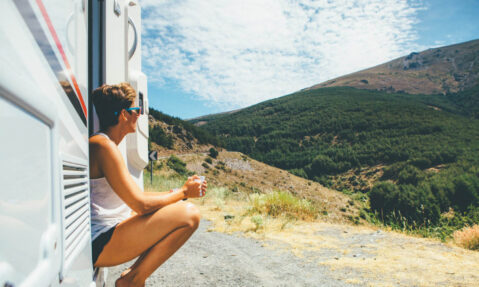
116 173
155 193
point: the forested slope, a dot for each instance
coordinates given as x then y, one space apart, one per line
427 146
167 132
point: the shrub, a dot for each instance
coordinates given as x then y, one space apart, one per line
466 191
415 204
177 165
382 196
158 135
321 165
443 191
205 165
209 160
468 237
281 203
258 221
449 156
410 175
392 171
213 152
299 172
323 180
220 165
177 130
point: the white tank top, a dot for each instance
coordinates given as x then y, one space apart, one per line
107 209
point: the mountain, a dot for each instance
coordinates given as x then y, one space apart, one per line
350 126
407 136
444 70
452 71
403 151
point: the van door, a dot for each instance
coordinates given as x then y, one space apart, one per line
44 201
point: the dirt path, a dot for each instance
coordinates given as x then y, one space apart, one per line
217 259
335 255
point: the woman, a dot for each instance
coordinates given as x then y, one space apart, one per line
160 222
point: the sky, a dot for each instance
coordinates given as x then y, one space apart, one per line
204 57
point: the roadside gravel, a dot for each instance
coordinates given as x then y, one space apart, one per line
313 254
217 259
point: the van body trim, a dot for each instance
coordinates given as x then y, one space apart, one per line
63 77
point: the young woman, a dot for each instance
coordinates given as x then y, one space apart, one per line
160 222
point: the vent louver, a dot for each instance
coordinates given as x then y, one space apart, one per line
76 213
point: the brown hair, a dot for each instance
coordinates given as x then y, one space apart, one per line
109 99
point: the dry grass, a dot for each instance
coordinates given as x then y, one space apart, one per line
248 176
404 261
254 212
367 257
468 237
280 203
163 182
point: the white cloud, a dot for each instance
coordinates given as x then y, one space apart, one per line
237 53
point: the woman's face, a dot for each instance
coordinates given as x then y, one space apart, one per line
132 117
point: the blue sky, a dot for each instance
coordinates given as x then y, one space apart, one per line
204 57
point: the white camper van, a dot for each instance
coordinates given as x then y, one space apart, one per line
53 54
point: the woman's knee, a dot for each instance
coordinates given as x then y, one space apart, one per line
185 214
192 215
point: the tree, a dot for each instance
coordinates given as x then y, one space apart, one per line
213 152
382 196
322 164
466 189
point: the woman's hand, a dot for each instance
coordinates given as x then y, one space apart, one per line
194 188
204 186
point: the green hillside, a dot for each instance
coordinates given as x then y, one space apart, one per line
324 133
161 138
467 101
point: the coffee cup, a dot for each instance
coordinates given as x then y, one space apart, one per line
200 181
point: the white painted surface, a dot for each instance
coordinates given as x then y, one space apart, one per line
38 123
115 49
137 143
26 199
40 129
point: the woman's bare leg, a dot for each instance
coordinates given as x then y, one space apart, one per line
154 257
134 264
155 249
139 234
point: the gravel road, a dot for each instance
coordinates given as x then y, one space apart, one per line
217 259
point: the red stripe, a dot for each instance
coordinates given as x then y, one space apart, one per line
60 48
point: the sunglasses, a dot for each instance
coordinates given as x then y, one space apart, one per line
138 109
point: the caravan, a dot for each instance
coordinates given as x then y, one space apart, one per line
53 54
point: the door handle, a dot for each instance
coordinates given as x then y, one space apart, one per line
132 50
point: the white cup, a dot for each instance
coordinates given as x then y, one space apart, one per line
200 181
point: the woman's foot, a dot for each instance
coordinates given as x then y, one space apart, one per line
120 282
125 281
